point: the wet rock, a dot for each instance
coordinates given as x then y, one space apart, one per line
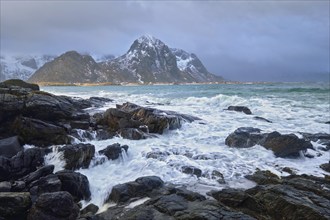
99 101
191 170
21 164
5 186
325 167
138 188
80 125
283 145
174 203
244 137
244 109
75 183
48 107
43 171
9 147
46 184
288 170
262 119
14 205
113 151
286 145
170 204
39 133
132 133
216 175
78 155
56 205
91 208
294 197
264 177
131 116
102 134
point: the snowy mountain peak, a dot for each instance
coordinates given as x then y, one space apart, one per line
22 66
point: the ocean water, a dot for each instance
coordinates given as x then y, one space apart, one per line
292 107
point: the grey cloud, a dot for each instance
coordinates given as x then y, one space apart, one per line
247 40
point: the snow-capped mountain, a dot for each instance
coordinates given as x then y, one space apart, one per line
190 64
148 60
21 67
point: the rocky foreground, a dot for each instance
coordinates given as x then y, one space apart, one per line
29 189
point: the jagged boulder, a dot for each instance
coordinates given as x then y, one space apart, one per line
293 197
113 151
9 147
39 133
21 164
78 155
75 183
138 188
14 205
135 122
56 205
283 145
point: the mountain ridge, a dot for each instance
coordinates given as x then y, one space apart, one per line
147 61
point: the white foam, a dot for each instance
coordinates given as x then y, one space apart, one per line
204 138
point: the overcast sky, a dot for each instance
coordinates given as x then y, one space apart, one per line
240 40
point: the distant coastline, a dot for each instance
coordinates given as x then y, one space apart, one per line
141 84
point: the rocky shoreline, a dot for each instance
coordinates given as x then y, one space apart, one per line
30 189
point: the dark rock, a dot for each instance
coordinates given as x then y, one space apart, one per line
294 197
264 177
288 170
12 83
209 210
191 170
287 145
21 164
217 175
262 119
78 155
46 184
14 205
39 133
132 133
75 183
43 171
244 137
99 101
283 145
82 135
128 118
189 195
56 205
244 109
79 124
18 186
170 204
112 152
102 134
5 186
10 146
138 188
91 208
325 167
